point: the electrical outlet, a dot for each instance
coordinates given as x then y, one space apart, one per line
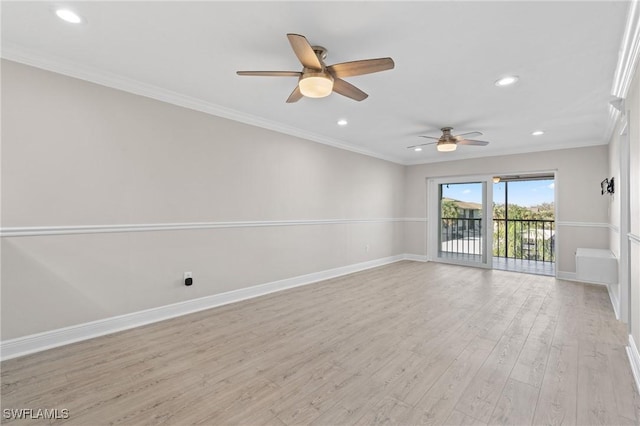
188 278
366 248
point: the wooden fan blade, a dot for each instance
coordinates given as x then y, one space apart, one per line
349 90
295 96
422 144
304 51
469 135
366 66
472 142
430 137
271 73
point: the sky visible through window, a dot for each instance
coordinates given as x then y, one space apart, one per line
523 193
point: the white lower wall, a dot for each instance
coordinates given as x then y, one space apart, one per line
57 337
57 281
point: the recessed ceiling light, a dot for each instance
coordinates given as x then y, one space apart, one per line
537 133
506 80
68 16
417 149
342 122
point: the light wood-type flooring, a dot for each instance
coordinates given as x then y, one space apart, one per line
407 343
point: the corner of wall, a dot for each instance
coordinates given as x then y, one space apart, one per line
634 359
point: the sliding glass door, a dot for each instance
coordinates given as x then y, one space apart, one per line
458 231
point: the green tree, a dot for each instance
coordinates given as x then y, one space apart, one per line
448 213
522 235
448 209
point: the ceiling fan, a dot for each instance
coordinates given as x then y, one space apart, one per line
317 80
449 142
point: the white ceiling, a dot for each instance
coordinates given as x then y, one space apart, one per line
447 56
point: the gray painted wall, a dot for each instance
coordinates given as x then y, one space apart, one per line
578 171
76 153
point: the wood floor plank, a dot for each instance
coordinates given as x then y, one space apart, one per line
626 394
596 400
388 411
461 419
440 400
558 394
532 361
516 406
406 343
481 395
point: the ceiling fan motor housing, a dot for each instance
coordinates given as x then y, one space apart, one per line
320 52
446 134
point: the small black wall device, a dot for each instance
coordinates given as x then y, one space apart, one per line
188 281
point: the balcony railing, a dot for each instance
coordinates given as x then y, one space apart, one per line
461 235
528 239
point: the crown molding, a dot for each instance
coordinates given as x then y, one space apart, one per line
628 53
32 58
503 152
625 68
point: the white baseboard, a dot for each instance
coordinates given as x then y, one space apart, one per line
20 346
615 302
634 360
569 276
415 257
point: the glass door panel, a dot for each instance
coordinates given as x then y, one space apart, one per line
458 217
461 222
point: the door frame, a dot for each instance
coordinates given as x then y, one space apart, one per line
624 273
433 212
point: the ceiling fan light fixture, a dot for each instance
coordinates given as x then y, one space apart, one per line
447 146
316 85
